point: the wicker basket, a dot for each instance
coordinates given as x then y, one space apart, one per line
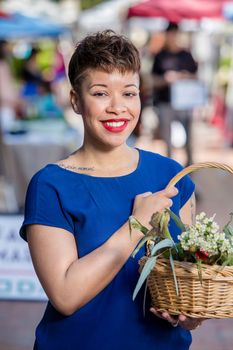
211 299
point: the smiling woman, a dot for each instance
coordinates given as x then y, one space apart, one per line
110 106
77 210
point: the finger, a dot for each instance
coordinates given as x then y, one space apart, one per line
169 203
169 318
182 318
145 194
190 323
156 313
162 198
166 316
171 191
159 314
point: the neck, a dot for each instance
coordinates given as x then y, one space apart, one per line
107 158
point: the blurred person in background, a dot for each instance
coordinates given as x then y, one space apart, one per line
31 75
46 104
171 64
9 97
60 83
77 210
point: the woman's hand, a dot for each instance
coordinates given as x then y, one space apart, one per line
147 203
185 322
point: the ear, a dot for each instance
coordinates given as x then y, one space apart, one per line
74 100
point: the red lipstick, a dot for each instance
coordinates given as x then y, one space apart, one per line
115 125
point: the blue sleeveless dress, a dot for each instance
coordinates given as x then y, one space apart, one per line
92 209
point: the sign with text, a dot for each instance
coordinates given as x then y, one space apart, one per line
187 94
17 277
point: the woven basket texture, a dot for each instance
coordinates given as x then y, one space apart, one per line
213 298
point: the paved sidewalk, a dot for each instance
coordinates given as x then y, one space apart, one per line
18 319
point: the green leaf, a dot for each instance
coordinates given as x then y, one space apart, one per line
228 229
180 252
177 220
144 298
141 243
162 222
164 225
155 220
134 223
165 243
228 261
173 272
144 274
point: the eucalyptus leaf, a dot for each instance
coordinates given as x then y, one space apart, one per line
155 220
144 298
134 223
141 243
164 225
165 243
228 261
162 222
144 274
174 273
228 229
177 220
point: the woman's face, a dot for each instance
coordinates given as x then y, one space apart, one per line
110 107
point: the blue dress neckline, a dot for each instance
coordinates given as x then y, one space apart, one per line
134 172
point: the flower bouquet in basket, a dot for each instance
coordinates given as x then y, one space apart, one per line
193 276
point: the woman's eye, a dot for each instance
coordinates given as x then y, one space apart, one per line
130 94
100 94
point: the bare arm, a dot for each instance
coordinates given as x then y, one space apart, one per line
70 282
188 211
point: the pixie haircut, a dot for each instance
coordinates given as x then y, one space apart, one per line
105 51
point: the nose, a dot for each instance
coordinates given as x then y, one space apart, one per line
116 106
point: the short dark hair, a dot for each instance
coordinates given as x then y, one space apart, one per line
106 51
172 27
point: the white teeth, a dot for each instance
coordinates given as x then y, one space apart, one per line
115 124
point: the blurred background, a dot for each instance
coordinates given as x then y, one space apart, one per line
37 125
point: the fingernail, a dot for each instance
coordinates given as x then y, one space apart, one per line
175 190
170 203
182 318
172 190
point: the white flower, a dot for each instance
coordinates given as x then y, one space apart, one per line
205 235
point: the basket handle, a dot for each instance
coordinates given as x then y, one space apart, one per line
197 166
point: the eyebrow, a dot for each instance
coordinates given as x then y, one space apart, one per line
104 85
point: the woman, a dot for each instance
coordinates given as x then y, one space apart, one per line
77 210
